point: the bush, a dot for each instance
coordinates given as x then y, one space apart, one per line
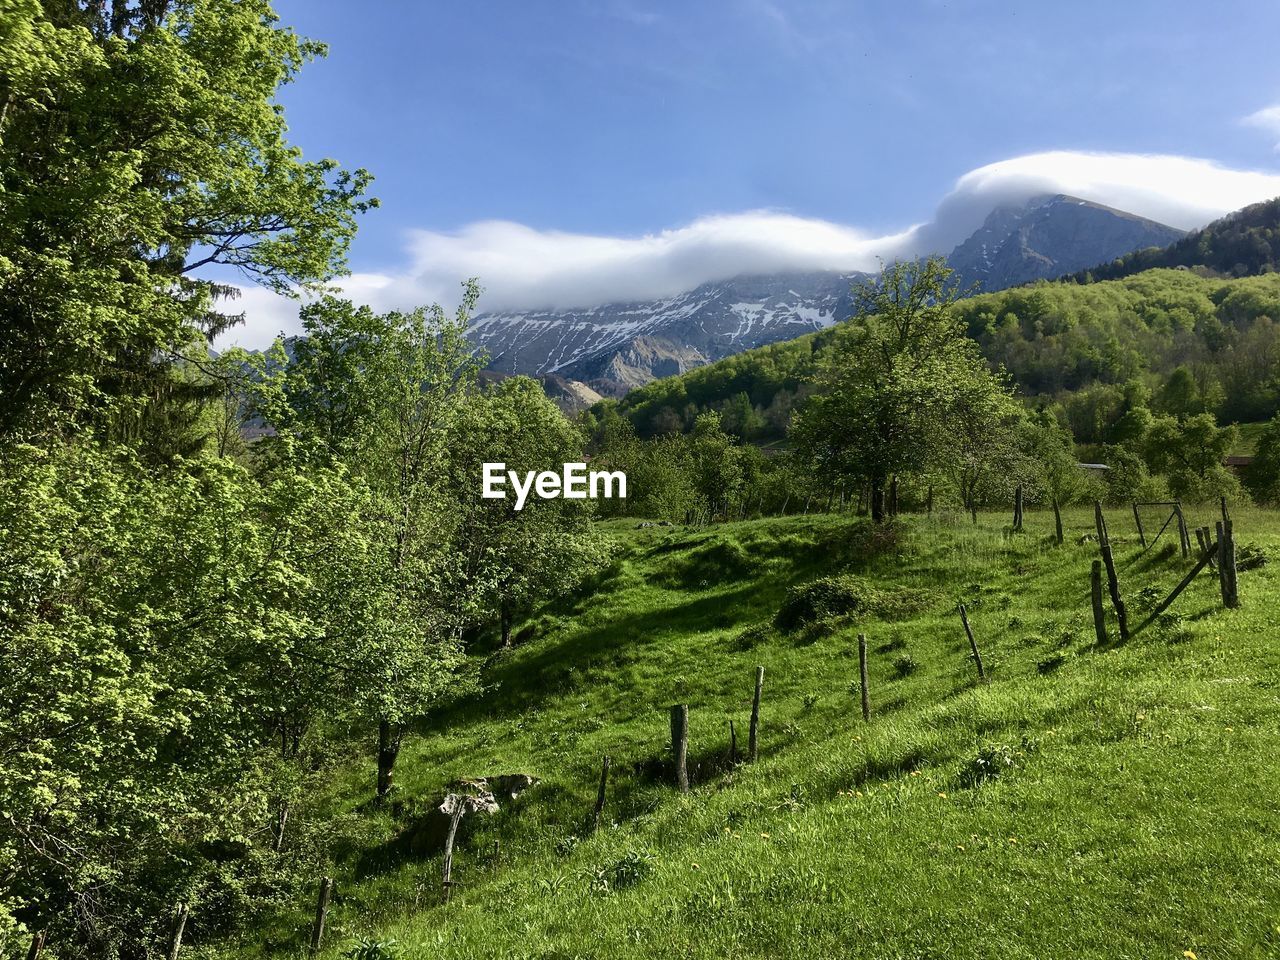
904 665
370 949
827 598
994 760
631 869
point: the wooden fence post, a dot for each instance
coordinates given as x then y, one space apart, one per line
37 945
1227 563
862 677
179 925
753 731
1137 518
973 644
1222 562
1099 615
1100 521
1183 535
1208 542
1113 583
680 743
322 909
1017 508
604 783
446 872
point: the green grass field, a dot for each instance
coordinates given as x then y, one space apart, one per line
1116 802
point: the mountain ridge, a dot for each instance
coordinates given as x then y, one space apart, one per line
614 348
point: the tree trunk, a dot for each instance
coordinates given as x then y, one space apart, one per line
505 616
1057 519
893 496
877 500
277 834
388 750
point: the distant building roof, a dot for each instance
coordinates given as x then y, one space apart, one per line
1093 466
1237 461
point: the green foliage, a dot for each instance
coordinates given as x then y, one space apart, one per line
139 147
368 948
903 391
1190 452
828 598
1263 475
1085 347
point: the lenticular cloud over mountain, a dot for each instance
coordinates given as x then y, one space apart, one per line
524 268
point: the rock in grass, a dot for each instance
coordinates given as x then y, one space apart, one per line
480 797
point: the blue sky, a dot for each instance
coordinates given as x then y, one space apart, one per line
624 118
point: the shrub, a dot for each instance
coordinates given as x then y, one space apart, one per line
371 949
904 665
1250 556
634 866
994 760
825 598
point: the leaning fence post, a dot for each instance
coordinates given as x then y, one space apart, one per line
1100 521
446 873
1099 615
1137 518
973 644
1183 536
1017 508
1208 542
604 783
179 925
322 908
1113 583
862 677
753 731
680 743
1164 604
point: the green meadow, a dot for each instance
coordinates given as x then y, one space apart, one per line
1109 801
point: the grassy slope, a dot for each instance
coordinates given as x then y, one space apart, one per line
1139 821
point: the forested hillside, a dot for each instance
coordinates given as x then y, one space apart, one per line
1241 244
1068 345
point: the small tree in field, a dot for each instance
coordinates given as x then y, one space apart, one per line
899 382
1053 454
1263 475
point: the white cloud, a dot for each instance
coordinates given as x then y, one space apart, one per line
1266 119
524 268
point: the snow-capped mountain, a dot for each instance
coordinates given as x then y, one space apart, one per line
616 347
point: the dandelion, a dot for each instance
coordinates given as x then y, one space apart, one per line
764 836
943 796
1013 839
1189 955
